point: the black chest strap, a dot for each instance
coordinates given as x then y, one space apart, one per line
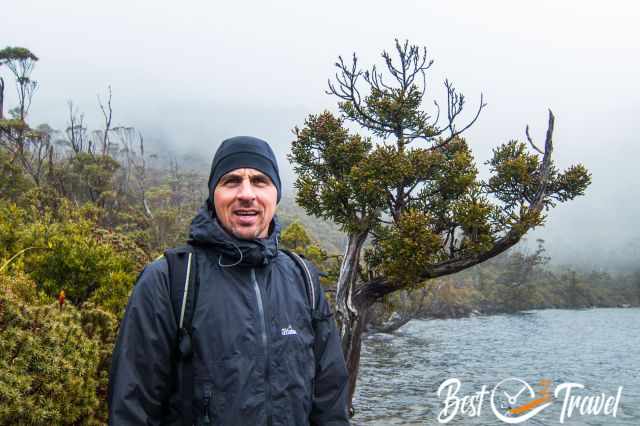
184 286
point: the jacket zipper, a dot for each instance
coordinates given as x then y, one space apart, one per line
265 343
207 399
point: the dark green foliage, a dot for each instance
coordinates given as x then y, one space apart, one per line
419 170
66 251
295 238
16 54
53 362
13 182
402 248
87 177
329 184
331 239
516 174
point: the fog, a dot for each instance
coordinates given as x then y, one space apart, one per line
190 74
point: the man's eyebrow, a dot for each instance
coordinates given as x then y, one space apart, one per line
231 175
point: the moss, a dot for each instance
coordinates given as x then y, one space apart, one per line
53 362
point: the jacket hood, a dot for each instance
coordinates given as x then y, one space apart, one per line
205 230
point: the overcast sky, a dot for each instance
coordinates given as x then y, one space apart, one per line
192 73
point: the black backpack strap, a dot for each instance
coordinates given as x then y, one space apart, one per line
184 287
306 275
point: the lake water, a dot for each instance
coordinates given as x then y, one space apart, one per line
600 348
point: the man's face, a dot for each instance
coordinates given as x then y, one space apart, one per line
245 202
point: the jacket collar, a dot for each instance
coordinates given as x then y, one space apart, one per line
205 230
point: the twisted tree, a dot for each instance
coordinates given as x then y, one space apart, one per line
411 186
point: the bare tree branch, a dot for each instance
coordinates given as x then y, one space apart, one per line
526 131
107 113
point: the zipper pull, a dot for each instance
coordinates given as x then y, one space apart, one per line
207 399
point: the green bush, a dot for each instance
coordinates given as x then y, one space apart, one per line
65 250
13 181
53 362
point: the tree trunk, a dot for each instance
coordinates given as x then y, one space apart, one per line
351 317
353 342
1 98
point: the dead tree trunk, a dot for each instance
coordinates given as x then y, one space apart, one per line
351 318
1 98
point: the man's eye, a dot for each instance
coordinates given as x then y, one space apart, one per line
260 181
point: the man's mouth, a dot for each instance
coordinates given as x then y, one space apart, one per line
246 217
246 212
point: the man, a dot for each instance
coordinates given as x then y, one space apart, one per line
255 358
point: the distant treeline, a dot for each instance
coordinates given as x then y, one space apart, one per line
514 281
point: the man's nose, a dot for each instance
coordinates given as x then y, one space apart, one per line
246 192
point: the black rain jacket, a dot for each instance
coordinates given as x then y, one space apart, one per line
254 362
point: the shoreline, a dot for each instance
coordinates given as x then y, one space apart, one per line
389 327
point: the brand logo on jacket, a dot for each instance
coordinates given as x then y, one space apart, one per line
288 331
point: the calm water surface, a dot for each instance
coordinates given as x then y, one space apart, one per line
600 348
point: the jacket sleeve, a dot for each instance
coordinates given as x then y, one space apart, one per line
141 366
329 406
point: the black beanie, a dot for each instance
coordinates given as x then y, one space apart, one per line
244 152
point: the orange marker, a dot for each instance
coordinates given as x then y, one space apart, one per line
61 298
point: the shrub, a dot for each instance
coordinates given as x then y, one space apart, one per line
53 362
65 250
